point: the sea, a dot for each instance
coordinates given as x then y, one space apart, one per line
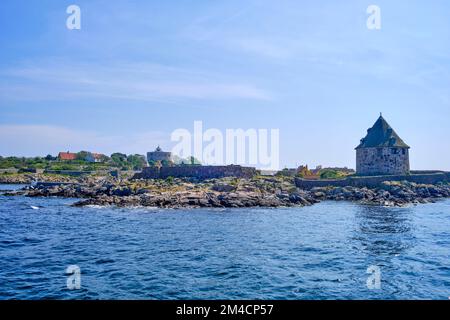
331 250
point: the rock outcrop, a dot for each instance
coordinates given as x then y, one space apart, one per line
230 193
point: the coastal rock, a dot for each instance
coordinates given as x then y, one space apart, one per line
222 187
121 192
228 192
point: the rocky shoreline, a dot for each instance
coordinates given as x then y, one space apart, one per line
228 193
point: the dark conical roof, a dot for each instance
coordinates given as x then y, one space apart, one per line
381 135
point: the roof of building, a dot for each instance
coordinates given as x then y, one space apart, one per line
158 150
67 156
381 135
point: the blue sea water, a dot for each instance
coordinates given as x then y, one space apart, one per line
317 252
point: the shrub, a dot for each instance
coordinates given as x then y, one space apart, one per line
169 179
331 174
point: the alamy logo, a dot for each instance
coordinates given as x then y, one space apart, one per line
374 19
254 147
374 280
74 278
74 20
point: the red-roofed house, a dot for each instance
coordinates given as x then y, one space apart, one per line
67 156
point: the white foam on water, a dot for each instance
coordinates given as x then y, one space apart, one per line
97 206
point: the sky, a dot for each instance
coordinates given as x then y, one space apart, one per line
138 70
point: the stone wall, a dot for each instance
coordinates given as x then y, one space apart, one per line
148 173
69 172
31 170
199 172
427 171
373 181
287 172
376 161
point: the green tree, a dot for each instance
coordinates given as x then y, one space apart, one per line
82 155
136 161
119 159
192 161
170 180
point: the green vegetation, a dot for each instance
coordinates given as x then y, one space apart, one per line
136 161
235 182
169 180
332 174
187 161
82 155
116 161
21 162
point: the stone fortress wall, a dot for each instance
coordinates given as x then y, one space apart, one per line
425 177
386 160
196 171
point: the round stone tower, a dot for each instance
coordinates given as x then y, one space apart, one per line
159 155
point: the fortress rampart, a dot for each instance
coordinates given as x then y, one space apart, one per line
374 181
199 172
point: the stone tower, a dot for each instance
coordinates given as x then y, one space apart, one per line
382 152
159 155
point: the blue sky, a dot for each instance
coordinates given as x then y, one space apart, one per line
137 70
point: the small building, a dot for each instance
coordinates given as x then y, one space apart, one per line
66 156
159 156
95 157
382 152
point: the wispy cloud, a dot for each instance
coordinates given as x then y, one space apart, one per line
143 82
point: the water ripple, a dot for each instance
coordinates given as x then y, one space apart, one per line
318 252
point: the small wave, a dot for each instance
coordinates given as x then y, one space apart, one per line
140 207
103 261
97 206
